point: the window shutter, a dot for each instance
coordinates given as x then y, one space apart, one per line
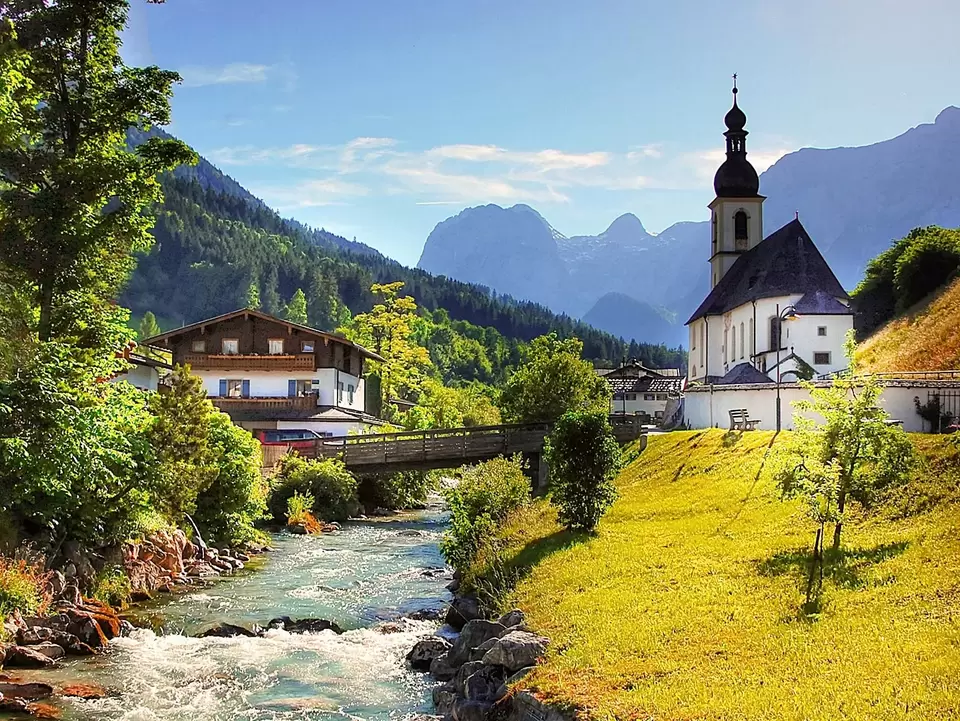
246 389
223 387
291 389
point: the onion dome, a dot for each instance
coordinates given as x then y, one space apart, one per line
736 178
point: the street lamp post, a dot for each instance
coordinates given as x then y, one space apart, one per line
788 313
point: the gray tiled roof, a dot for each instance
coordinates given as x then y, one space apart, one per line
743 374
819 303
646 384
785 263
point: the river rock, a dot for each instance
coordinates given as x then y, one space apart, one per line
13 705
505 687
443 698
462 610
484 684
49 649
516 650
425 614
84 691
480 651
465 710
26 657
312 625
44 710
463 673
441 668
226 630
513 618
27 691
473 634
426 650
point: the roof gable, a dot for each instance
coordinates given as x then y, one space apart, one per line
786 262
743 374
324 335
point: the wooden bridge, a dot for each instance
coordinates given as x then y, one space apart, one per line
443 447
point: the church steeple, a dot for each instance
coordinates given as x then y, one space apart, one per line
736 178
737 211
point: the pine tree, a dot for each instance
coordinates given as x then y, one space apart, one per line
296 311
149 326
253 296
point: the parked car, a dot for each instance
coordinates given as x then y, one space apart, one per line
293 437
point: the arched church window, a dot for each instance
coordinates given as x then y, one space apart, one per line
715 232
774 333
740 227
733 345
741 341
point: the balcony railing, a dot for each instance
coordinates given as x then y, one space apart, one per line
227 404
302 362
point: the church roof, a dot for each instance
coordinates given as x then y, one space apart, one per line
645 384
819 303
743 374
784 263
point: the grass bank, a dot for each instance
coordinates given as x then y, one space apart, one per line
686 604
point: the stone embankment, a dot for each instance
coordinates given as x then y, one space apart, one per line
479 666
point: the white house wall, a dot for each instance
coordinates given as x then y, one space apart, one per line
271 384
709 407
638 406
325 427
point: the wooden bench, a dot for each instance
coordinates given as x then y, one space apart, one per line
740 420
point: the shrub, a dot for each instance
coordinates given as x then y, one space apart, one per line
486 494
931 259
298 506
228 508
112 587
584 458
328 481
22 587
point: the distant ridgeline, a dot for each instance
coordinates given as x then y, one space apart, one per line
214 240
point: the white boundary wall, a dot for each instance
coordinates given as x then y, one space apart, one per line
709 406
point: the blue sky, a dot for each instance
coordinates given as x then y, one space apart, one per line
378 119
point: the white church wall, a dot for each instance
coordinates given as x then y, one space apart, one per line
710 406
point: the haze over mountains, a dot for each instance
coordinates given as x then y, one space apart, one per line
852 201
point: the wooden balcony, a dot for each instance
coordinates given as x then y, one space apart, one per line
265 404
203 361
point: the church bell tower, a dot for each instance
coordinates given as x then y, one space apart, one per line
736 214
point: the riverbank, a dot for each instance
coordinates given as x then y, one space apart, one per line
687 601
375 579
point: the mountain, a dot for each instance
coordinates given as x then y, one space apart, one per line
628 317
853 201
513 250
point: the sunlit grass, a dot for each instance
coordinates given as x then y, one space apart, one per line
686 604
925 338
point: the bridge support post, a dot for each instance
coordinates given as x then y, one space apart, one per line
537 472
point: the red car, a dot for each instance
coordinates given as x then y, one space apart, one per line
295 438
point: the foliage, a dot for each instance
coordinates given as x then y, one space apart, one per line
584 458
553 380
253 296
904 274
852 455
112 587
685 606
439 406
387 329
148 326
406 489
933 412
326 480
23 587
230 506
296 310
299 505
484 497
73 198
180 436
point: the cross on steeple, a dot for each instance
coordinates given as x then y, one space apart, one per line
734 83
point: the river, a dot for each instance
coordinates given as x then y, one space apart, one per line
368 574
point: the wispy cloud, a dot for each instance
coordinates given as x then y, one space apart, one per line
195 76
464 173
311 193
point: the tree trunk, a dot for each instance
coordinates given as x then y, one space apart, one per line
841 502
816 561
45 325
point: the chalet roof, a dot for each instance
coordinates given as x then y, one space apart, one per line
327 414
785 263
645 384
743 374
819 303
139 360
263 316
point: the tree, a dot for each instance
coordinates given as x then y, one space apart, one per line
584 458
552 381
850 455
253 296
148 326
388 330
296 311
73 199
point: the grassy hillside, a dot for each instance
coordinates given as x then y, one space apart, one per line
686 605
925 338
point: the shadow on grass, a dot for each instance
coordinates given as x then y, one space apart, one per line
844 568
732 438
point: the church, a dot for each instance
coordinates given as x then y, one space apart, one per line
775 310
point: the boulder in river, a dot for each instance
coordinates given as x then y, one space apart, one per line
463 609
474 633
83 690
226 630
27 691
25 657
466 710
312 625
484 684
49 649
13 705
516 650
441 668
426 650
513 618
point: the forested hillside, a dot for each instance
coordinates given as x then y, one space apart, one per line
215 249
